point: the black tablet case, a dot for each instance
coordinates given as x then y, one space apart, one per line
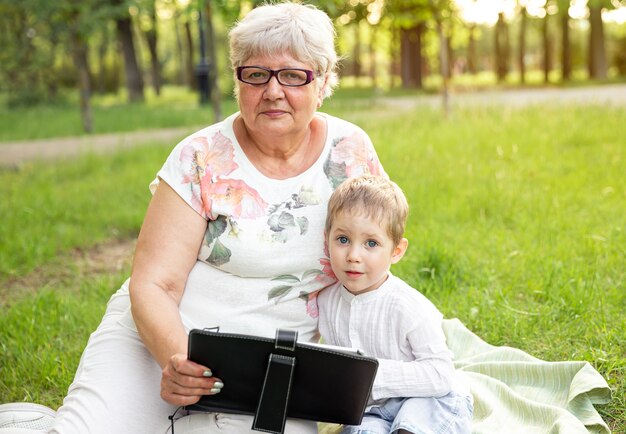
277 378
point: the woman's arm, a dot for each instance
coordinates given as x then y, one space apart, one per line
167 249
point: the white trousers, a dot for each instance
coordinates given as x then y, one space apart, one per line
116 390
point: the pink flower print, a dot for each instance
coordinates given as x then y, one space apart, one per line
357 155
206 161
311 305
327 271
328 275
215 158
232 197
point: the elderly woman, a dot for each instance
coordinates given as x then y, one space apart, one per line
233 236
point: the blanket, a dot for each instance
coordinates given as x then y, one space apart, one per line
515 392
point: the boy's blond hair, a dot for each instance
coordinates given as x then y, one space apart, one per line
375 197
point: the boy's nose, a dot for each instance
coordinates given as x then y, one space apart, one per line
353 254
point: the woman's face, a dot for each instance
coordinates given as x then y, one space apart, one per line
276 109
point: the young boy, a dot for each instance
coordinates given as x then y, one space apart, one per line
415 390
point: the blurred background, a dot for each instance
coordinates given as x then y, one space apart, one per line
68 51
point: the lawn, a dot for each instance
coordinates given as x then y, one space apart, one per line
517 227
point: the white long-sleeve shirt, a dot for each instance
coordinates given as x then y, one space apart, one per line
401 328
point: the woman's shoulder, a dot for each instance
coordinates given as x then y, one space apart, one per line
223 127
339 126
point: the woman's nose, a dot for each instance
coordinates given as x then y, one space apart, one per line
273 89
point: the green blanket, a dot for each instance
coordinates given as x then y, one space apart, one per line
517 393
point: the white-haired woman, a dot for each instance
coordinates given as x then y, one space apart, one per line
233 237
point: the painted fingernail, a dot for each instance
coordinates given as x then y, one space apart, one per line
207 373
218 385
216 390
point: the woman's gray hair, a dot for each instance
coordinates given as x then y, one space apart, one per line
302 31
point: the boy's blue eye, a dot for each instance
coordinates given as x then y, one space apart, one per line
372 243
342 240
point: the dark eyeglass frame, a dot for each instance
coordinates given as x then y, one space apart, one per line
274 73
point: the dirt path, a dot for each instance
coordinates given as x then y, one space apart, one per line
14 153
611 94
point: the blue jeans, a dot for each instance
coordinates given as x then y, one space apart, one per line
450 414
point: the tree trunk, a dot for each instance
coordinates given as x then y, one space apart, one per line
472 66
444 67
372 54
566 49
216 97
356 53
103 48
411 56
501 48
134 78
449 53
180 53
522 46
547 64
393 55
597 52
79 55
191 77
151 40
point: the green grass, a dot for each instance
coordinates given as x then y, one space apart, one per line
175 107
517 227
43 336
47 209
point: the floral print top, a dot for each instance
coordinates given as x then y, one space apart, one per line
262 260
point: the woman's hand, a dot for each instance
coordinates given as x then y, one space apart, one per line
183 382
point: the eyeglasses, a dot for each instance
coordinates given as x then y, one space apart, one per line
257 75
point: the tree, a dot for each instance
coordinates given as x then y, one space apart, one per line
521 59
501 46
597 63
410 17
79 50
472 65
566 48
148 26
439 10
26 58
124 27
546 44
411 57
214 88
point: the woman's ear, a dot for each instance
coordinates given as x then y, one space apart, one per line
399 250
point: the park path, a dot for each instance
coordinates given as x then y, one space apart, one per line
12 154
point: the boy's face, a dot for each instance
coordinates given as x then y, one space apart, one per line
361 252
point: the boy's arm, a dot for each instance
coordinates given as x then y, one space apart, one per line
431 374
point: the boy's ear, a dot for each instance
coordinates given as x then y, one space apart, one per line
399 250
